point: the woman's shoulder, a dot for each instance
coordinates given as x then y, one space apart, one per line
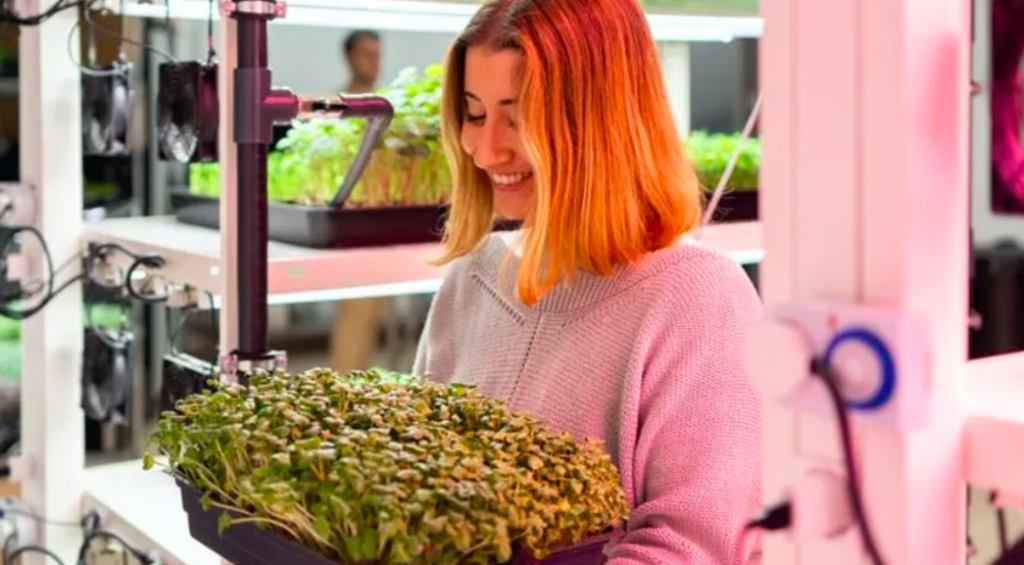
699 269
702 285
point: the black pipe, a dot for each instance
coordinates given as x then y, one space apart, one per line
253 335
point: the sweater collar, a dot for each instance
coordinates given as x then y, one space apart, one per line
495 265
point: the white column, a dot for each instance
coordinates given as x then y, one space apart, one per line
864 200
228 60
675 64
52 434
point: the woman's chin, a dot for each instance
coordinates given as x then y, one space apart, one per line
515 213
513 205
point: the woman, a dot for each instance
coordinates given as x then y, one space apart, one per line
600 317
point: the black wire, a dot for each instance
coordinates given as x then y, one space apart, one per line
820 368
103 251
148 261
51 275
32 549
211 51
96 534
100 253
7 15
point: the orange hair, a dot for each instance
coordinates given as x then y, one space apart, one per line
612 182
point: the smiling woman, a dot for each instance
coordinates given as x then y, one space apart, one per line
554 114
494 143
601 317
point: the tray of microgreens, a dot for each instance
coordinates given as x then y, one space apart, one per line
374 468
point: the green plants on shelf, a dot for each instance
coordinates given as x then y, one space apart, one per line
710 153
409 167
375 468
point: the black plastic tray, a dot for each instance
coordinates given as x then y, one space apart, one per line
736 206
323 227
246 544
329 228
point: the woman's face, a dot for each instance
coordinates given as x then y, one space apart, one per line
489 130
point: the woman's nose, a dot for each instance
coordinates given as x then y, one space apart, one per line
493 150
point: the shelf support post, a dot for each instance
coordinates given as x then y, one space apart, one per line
52 467
865 201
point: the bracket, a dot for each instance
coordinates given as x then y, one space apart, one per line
268 9
17 204
234 366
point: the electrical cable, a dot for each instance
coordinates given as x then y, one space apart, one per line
211 41
7 15
90 526
32 549
51 289
149 261
825 373
94 26
143 557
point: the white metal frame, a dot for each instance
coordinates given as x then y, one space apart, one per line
51 469
865 201
144 507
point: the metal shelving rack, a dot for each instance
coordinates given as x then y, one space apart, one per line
819 250
144 506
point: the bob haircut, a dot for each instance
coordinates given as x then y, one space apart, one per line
612 180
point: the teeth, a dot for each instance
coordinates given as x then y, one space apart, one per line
508 179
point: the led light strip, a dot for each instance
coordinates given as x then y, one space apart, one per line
440 17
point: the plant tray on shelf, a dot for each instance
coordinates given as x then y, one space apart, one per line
735 206
247 544
325 227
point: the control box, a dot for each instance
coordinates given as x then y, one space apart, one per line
879 358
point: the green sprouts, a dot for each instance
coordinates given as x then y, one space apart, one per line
387 469
409 167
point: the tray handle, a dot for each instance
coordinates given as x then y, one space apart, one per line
379 112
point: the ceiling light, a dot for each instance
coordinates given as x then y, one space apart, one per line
439 17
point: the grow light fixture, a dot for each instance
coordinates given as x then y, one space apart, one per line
438 17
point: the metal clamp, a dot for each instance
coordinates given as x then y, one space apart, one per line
268 9
18 205
233 364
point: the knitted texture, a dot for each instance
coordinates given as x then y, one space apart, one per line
651 360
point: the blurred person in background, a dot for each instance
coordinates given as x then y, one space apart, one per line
361 52
372 331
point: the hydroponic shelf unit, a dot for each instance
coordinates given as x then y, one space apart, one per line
145 507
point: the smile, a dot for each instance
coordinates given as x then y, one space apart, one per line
510 182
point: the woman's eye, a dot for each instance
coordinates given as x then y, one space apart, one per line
474 119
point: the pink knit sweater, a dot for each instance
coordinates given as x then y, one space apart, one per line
651 360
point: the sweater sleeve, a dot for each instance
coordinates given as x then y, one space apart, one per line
696 470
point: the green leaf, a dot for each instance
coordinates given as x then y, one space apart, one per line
223 523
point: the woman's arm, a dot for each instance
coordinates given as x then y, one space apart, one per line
697 465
